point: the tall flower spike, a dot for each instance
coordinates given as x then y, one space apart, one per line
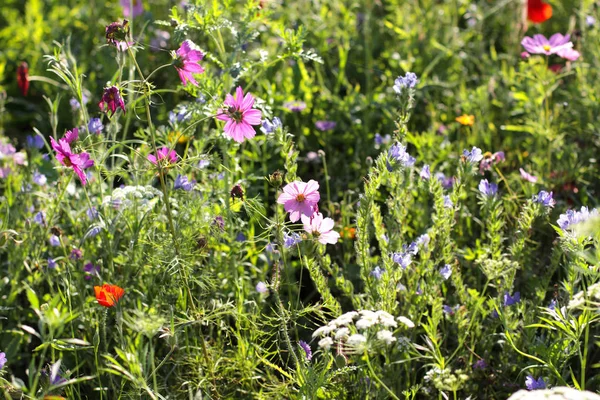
239 115
186 62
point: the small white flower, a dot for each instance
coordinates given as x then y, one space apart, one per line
322 331
406 322
386 319
346 318
326 343
365 323
342 333
356 340
386 336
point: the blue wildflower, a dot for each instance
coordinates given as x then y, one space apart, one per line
92 213
290 240
54 241
377 272
425 173
412 248
240 237
446 271
403 259
473 156
270 127
203 164
544 198
3 360
408 81
552 305
324 126
381 140
39 178
76 254
51 263
590 21
90 271
532 384
92 233
40 218
74 104
488 189
399 154
35 141
182 182
95 126
261 287
307 350
423 240
448 202
573 217
480 364
447 182
510 300
447 310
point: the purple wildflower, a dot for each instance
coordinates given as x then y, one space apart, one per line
398 153
40 218
446 271
219 222
447 182
552 305
544 198
91 270
473 156
532 384
270 127
448 202
573 217
425 173
488 189
403 259
51 263
64 155
92 213
74 104
447 310
76 254
261 287
95 126
39 178
377 272
480 364
128 12
111 100
409 81
54 241
291 240
325 125
35 141
307 350
511 300
182 182
295 105
527 176
3 360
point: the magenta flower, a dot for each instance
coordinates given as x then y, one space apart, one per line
66 157
527 176
321 228
164 153
300 198
72 135
111 99
240 116
138 8
540 45
186 63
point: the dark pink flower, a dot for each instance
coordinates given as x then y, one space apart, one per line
239 115
164 153
111 99
64 155
187 62
300 198
117 32
72 135
138 8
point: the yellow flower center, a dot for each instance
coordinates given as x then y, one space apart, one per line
547 47
300 198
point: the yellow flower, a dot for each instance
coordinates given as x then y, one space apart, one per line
467 120
181 139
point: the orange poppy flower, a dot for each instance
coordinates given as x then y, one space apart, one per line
538 11
108 295
348 232
465 119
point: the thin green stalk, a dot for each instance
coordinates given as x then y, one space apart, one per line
376 377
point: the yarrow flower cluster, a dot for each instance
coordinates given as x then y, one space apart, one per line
374 325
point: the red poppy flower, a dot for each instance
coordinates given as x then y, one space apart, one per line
108 295
538 11
23 77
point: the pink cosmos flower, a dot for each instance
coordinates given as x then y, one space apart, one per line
300 198
111 99
540 45
527 176
187 62
163 153
321 228
72 135
240 116
138 8
64 155
569 54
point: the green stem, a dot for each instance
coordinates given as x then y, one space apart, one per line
376 377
